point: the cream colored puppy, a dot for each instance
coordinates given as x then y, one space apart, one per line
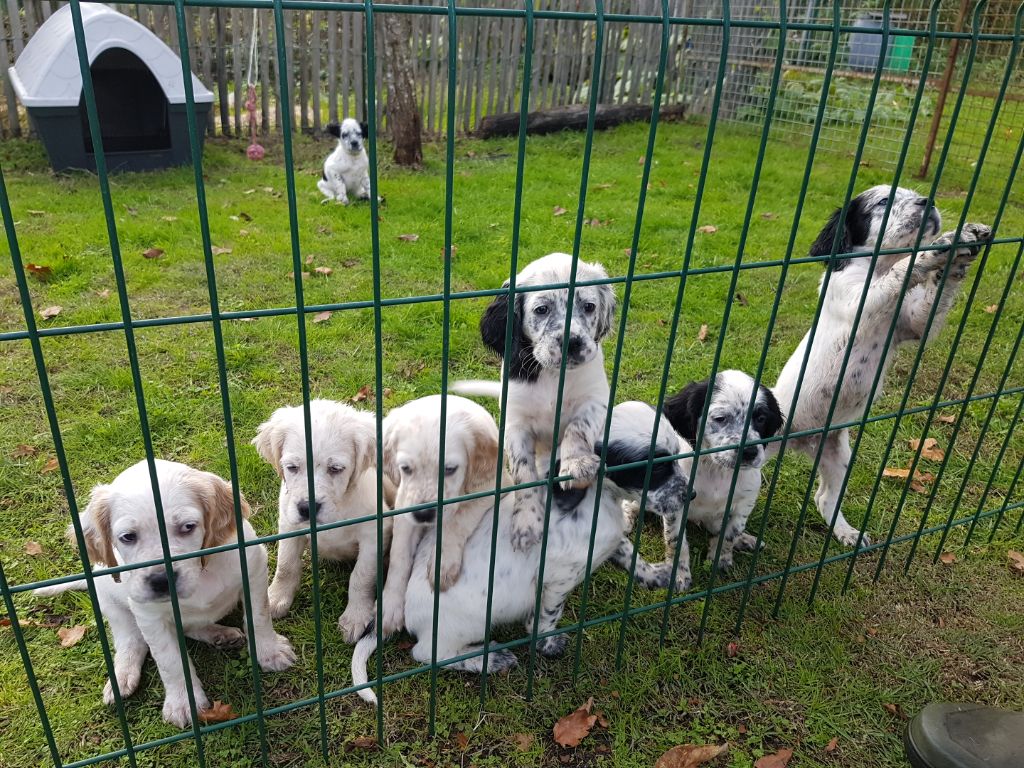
121 527
345 488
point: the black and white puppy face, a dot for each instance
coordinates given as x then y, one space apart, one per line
863 222
727 412
350 134
538 324
629 441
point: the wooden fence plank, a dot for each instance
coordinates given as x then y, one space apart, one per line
332 66
315 67
222 73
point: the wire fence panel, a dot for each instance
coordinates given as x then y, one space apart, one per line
884 86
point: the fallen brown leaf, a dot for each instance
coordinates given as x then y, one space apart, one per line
363 393
896 711
22 451
947 558
832 744
732 650
523 741
153 253
51 465
33 548
36 213
707 229
917 484
320 317
991 308
216 250
603 186
462 740
742 299
559 211
309 259
39 271
930 450
362 742
946 418
323 271
1016 562
349 262
574 727
292 275
768 215
48 313
702 334
409 238
169 218
690 755
70 636
244 216
602 719
219 712
779 760
104 294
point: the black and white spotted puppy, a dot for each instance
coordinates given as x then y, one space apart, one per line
870 356
346 169
730 400
538 326
462 608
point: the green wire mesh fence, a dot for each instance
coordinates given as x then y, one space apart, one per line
818 36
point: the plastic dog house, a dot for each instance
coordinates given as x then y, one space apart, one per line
140 94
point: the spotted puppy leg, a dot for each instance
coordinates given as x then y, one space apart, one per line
528 508
649 575
577 446
552 605
834 464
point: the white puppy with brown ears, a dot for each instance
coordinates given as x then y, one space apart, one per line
345 488
910 213
538 328
121 527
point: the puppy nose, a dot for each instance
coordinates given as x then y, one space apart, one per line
303 507
423 515
693 494
158 583
750 453
575 345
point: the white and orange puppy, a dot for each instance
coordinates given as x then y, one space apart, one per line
411 447
345 488
121 527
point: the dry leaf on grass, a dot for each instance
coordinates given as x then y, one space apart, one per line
244 216
930 450
39 271
153 253
216 250
707 229
574 727
991 308
105 293
70 636
48 313
690 755
917 484
1016 562
523 741
896 711
946 418
742 300
169 218
559 211
323 271
219 712
362 742
768 215
732 650
309 259
947 558
702 334
51 465
779 760
832 744
22 451
36 213
409 238
320 317
363 393
462 740
33 548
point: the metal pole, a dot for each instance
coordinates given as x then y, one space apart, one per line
947 76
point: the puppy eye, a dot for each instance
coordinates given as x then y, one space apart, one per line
882 203
450 469
335 470
128 538
719 418
406 469
292 468
589 307
187 528
540 309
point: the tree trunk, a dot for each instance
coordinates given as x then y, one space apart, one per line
403 111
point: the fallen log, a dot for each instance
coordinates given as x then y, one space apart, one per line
573 118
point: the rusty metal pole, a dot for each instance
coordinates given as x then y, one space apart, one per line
947 76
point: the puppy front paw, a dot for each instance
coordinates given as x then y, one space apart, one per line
527 525
353 622
224 638
393 617
451 569
583 470
176 710
500 661
553 646
279 603
745 542
847 535
127 684
276 655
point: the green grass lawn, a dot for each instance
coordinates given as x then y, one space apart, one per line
797 681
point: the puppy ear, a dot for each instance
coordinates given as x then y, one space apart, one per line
269 440
684 410
606 311
854 232
774 419
364 439
365 130
334 130
390 434
215 497
95 522
493 322
483 460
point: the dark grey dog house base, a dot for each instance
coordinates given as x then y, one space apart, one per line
137 81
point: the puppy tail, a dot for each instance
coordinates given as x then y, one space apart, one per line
57 589
476 388
360 656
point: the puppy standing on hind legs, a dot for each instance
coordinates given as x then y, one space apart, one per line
870 356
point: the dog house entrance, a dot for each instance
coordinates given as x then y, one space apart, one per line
131 105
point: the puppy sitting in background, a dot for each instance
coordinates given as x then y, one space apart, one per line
870 356
411 444
121 527
538 326
345 487
346 169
